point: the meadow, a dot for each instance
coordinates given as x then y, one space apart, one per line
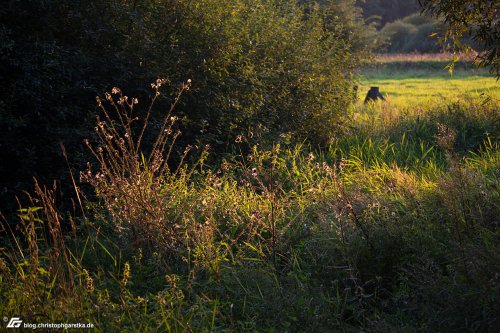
410 80
391 228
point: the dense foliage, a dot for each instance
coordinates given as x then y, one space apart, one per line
382 12
247 189
393 228
412 34
263 66
401 27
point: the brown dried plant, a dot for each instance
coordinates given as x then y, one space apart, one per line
137 189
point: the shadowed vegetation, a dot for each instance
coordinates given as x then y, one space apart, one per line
260 195
393 227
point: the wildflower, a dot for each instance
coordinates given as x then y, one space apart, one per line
88 281
254 172
115 90
123 100
126 273
342 164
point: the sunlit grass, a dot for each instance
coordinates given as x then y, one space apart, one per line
408 82
361 235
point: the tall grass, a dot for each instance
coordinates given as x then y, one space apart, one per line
394 227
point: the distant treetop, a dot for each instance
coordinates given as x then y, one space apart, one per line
386 11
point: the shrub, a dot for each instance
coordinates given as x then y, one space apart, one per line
258 71
267 63
417 19
412 34
421 40
398 33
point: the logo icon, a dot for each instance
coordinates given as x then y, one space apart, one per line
14 322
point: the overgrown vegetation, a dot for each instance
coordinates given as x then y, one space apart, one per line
412 34
273 66
251 190
392 228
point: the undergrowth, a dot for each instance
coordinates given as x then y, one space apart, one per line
394 227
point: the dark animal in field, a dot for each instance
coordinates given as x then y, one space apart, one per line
373 95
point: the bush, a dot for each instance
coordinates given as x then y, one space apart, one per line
258 71
254 64
398 33
421 40
412 34
417 19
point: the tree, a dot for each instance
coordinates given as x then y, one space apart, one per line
477 18
387 11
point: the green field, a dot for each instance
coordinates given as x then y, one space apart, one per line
421 86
